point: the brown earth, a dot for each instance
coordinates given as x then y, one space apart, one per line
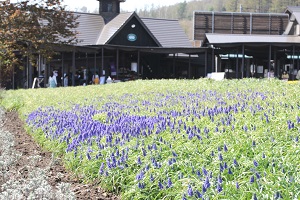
25 144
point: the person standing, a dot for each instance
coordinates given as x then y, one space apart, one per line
66 80
285 76
52 80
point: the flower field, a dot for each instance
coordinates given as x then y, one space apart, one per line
173 139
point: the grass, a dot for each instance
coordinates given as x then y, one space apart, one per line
172 139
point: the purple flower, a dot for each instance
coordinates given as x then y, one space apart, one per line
235 162
160 185
198 194
253 143
229 171
206 182
252 179
190 191
169 183
257 175
237 185
219 188
221 167
254 197
219 179
220 157
140 176
139 162
141 185
101 169
255 163
204 171
225 147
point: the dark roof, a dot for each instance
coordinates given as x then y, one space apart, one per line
93 30
292 9
229 39
167 32
89 28
112 28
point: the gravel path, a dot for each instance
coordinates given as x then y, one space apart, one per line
28 172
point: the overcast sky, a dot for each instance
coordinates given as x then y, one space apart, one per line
129 5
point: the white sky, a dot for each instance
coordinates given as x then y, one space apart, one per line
128 5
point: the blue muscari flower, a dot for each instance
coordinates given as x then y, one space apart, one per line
263 155
140 176
220 157
183 197
198 194
254 197
237 185
219 148
257 175
154 146
225 147
219 188
212 153
225 165
219 179
144 152
229 171
277 195
180 176
245 128
204 171
174 154
190 191
151 178
216 129
255 163
198 173
252 179
235 162
88 156
253 143
203 189
206 182
169 183
221 167
101 169
160 185
141 185
139 162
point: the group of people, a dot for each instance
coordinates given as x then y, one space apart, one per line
80 78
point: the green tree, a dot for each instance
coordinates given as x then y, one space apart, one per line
182 9
31 28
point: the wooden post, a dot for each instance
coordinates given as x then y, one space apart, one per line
243 62
117 64
189 66
73 67
205 63
102 61
237 63
138 64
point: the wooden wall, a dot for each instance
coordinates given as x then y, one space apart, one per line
238 23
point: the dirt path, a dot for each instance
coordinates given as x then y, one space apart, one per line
28 170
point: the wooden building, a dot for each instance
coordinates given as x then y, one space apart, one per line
251 44
125 47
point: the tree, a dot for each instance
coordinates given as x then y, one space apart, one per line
181 9
31 28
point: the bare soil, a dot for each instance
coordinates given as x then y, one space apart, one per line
25 144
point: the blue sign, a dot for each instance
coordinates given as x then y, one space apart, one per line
131 37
